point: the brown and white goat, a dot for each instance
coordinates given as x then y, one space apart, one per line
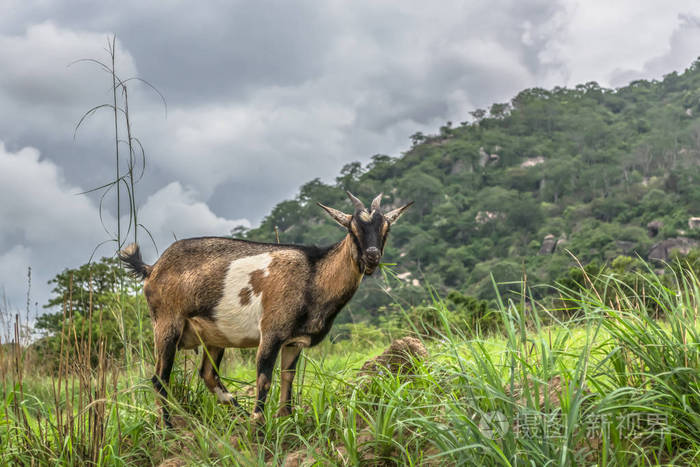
222 292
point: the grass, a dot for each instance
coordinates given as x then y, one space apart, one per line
610 385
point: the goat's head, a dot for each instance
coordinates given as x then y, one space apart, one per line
368 229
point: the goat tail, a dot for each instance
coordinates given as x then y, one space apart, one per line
131 256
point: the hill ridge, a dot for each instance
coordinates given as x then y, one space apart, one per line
589 166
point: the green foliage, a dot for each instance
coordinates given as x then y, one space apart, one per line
629 278
611 386
101 310
461 314
616 382
118 325
85 287
590 165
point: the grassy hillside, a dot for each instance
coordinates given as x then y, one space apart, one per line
589 167
573 188
610 385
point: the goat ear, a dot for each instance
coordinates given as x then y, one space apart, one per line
338 216
393 216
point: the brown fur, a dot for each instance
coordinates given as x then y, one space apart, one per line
186 284
339 273
245 294
301 291
288 360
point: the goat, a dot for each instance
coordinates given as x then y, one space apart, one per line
222 292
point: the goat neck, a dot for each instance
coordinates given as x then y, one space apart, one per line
339 273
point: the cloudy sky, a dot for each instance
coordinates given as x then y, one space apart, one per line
264 96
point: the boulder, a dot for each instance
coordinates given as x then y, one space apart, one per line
486 158
654 227
694 223
483 156
482 217
625 246
548 245
532 161
404 276
661 251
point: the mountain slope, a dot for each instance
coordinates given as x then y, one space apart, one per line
584 169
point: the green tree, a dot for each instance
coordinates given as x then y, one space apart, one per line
83 289
97 302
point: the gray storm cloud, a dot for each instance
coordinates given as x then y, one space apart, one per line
264 97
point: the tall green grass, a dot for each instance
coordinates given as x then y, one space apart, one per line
607 384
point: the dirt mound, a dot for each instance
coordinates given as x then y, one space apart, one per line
399 358
554 389
173 462
300 458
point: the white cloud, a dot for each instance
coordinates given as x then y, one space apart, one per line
38 86
681 49
261 100
39 203
48 226
262 141
45 225
174 212
374 90
13 269
599 38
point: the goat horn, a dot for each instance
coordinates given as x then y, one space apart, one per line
376 202
358 204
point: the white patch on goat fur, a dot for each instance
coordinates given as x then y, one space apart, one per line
223 396
241 323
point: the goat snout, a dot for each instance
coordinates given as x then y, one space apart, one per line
373 255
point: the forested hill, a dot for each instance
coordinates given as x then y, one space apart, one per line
599 172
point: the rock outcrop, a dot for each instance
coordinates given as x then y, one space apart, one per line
548 245
626 247
661 251
482 217
654 227
486 158
532 161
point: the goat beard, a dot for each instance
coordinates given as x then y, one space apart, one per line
368 270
